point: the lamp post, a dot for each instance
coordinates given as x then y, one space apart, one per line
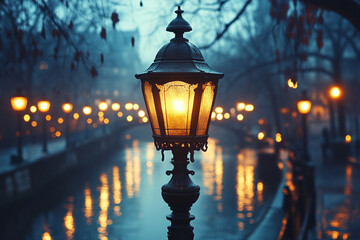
335 94
67 108
304 107
18 104
179 90
87 110
103 106
44 107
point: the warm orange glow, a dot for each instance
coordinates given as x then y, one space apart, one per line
335 92
261 121
58 134
46 236
106 121
291 84
304 106
240 117
145 119
249 107
117 197
69 222
18 103
52 129
227 115
104 204
89 121
278 137
260 186
88 206
128 106
129 118
103 106
284 110
34 123
261 136
48 117
26 117
348 139
76 116
178 106
43 106
101 114
33 109
120 114
213 115
60 120
219 117
136 106
87 110
240 106
141 113
67 107
219 110
115 107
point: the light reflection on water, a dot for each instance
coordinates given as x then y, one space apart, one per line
124 201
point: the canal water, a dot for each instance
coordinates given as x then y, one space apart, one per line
120 198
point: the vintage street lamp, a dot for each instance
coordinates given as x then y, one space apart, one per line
179 89
304 107
18 104
44 106
67 108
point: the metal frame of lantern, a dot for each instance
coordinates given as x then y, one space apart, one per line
179 90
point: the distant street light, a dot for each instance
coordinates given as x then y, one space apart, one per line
67 108
335 92
115 107
103 106
304 107
179 89
44 107
87 110
18 104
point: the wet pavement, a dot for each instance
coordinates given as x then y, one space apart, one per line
338 196
121 198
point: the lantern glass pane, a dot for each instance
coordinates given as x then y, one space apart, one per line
207 99
177 100
150 105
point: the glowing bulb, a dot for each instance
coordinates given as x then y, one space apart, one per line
115 107
26 117
240 106
347 138
249 108
33 109
178 105
219 110
261 136
76 116
335 92
240 117
141 113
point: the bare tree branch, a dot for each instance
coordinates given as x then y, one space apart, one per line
349 9
227 26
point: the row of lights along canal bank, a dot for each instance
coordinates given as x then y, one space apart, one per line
179 89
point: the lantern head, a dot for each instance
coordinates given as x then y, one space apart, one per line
304 104
67 107
179 89
18 102
43 105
